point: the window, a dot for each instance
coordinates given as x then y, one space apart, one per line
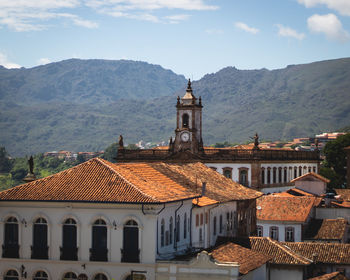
162 230
314 169
69 249
274 175
295 172
214 226
268 175
231 223
200 235
11 275
228 221
309 169
11 246
197 220
40 248
40 275
167 238
185 120
220 224
171 229
201 219
243 176
285 175
274 233
227 172
185 226
280 175
131 251
259 231
178 228
262 175
100 276
300 171
99 250
70 276
289 234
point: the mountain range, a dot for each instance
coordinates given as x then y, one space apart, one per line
84 105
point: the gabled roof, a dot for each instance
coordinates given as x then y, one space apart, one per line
280 208
98 180
327 229
311 174
319 252
248 259
279 253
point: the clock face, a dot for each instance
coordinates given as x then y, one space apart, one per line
185 136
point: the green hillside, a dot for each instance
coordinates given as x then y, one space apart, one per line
85 104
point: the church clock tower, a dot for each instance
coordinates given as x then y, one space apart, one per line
188 132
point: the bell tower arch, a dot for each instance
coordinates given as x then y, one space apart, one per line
188 132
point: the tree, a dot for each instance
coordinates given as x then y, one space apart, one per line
5 162
336 160
111 152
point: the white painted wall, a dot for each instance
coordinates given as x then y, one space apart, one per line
333 213
317 187
257 274
281 229
235 169
293 273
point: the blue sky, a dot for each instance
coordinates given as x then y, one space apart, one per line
190 37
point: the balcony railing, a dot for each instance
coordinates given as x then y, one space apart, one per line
10 251
69 254
130 256
41 253
98 254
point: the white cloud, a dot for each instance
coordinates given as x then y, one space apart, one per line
7 64
43 61
329 25
245 27
85 23
286 31
214 31
341 6
176 18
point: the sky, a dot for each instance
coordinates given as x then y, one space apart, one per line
189 37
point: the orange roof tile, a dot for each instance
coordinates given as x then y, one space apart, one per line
280 254
248 259
318 176
98 180
341 204
204 201
319 252
327 229
337 275
279 208
299 192
344 194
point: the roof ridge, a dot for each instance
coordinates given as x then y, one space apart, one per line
289 251
102 161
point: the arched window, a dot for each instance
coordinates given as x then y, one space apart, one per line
274 233
11 246
130 251
40 275
185 120
69 249
214 225
285 175
185 226
280 175
171 230
309 169
11 275
314 169
178 228
289 234
274 175
98 251
300 171
263 176
295 172
243 176
100 276
40 248
220 224
162 232
200 235
227 172
70 276
268 175
197 220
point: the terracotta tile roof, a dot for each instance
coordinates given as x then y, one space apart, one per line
299 192
327 229
341 204
311 174
279 208
247 259
280 254
319 252
344 194
204 201
337 275
98 180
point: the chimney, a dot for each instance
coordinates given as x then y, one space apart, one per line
204 185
